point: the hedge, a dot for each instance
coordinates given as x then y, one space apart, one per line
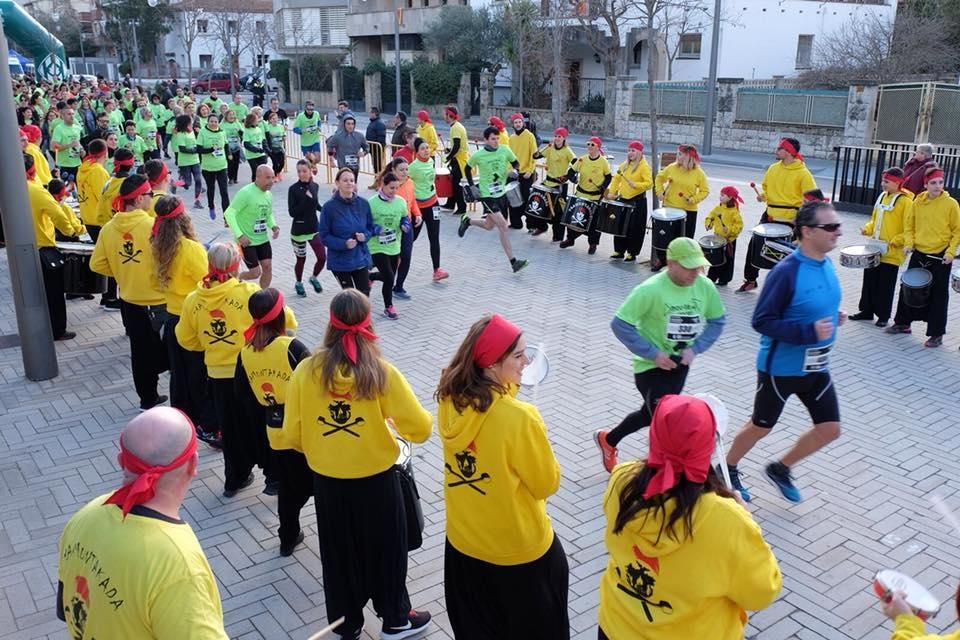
280 70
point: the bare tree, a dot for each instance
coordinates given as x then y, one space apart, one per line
231 24
526 39
261 39
188 30
291 35
677 20
559 11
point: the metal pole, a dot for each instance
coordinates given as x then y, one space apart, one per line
83 55
396 52
26 279
712 82
136 55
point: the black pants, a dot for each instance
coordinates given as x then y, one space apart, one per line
362 528
233 166
238 431
690 227
431 220
220 178
386 272
559 203
56 303
254 163
935 313
188 379
724 273
359 279
148 356
652 384
593 237
457 202
406 254
632 243
879 287
296 487
151 155
518 602
111 294
601 635
278 159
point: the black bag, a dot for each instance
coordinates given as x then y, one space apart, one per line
411 499
158 316
51 259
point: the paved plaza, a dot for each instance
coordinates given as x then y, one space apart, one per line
866 501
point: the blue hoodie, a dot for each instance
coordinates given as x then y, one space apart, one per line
798 292
340 220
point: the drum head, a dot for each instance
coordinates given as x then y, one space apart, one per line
535 372
719 411
614 203
860 250
666 213
712 242
917 278
550 190
406 451
917 595
773 230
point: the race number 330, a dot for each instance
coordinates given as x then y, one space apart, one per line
683 328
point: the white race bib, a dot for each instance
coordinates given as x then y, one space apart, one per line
436 213
496 188
683 328
388 236
217 153
260 226
816 358
351 161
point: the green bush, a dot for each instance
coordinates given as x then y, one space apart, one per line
436 83
592 104
280 70
316 71
125 68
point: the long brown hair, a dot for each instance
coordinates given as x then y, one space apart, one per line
369 373
167 239
259 304
463 382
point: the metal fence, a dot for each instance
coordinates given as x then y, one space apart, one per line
686 100
792 106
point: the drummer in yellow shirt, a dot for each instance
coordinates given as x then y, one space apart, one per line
524 144
559 157
591 172
29 137
427 131
91 178
456 159
683 185
630 184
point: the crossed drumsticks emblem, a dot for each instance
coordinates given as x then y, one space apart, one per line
219 326
467 464
340 416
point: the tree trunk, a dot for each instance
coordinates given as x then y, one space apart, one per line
651 93
522 66
300 82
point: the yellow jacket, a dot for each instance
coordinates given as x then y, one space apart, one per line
91 178
910 627
891 227
123 252
267 373
691 183
188 268
591 173
428 132
784 185
347 437
558 163
725 222
157 194
40 162
524 145
213 321
933 226
700 587
504 137
105 207
500 469
49 214
639 174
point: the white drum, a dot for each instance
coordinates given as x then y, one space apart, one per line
955 279
923 603
860 256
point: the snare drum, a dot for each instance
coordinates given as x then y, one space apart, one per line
955 279
714 249
77 276
770 244
443 183
924 604
512 193
668 224
915 287
579 214
614 217
860 256
471 193
541 202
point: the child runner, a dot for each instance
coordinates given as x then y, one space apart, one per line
389 212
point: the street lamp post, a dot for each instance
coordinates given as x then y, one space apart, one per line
712 82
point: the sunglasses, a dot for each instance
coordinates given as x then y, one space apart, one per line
591 144
830 228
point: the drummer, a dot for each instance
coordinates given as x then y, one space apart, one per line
885 226
524 145
591 173
907 624
559 156
931 235
725 221
629 185
784 184
683 185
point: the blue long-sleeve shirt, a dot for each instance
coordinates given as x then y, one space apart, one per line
627 334
341 220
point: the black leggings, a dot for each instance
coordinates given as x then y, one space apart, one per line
432 222
652 384
386 272
359 279
278 159
220 178
233 166
254 163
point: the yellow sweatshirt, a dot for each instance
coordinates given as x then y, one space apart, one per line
524 145
268 373
105 207
725 222
157 194
558 163
784 185
933 226
895 208
91 178
213 321
504 137
44 176
188 268
698 588
123 252
347 437
500 469
49 214
591 172
428 132
910 627
676 180
639 174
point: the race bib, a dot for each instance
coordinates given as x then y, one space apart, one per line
351 161
310 129
496 188
683 328
436 213
816 358
217 153
388 237
260 226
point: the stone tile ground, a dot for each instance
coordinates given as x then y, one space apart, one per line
866 503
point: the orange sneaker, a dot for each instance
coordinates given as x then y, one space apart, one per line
609 452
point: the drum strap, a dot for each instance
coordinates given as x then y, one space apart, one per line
590 192
881 209
781 206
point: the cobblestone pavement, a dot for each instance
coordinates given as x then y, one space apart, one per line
866 503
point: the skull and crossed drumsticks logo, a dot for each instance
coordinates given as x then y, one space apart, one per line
218 325
467 465
340 413
640 583
126 250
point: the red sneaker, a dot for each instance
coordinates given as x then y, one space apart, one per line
609 452
439 275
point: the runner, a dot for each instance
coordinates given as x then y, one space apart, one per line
250 218
211 145
65 141
307 126
303 205
184 147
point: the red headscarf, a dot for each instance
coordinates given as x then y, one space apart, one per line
732 193
176 211
119 203
90 158
119 165
562 132
423 115
32 132
635 144
892 178
220 275
681 442
597 141
690 150
936 173
60 195
494 341
269 316
350 332
497 122
452 112
787 146
516 116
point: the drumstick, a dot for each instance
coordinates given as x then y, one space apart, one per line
753 185
327 629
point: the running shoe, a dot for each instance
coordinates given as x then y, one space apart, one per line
899 328
464 225
415 625
566 243
518 264
629 258
736 482
391 312
616 255
197 205
401 293
779 474
287 549
440 274
300 290
609 452
316 284
229 493
213 214
933 341
748 285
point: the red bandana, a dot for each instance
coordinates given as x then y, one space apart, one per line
176 211
90 158
119 165
732 193
494 341
562 132
936 173
31 172
269 316
164 172
690 150
119 203
350 332
787 146
635 144
892 178
220 275
681 442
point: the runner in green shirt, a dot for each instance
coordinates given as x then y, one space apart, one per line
184 147
212 147
213 101
133 142
276 133
494 164
239 108
254 140
148 129
307 126
115 116
65 141
232 130
389 212
250 218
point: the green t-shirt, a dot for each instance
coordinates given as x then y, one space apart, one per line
148 131
157 110
232 132
241 110
492 169
66 134
666 314
56 122
423 175
277 133
254 136
388 215
217 159
250 214
137 146
116 122
214 105
309 128
184 139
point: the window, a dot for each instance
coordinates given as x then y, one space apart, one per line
804 51
202 26
638 54
232 26
206 61
689 46
263 60
261 27
408 42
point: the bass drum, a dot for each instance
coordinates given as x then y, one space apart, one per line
542 202
615 217
579 214
77 276
668 224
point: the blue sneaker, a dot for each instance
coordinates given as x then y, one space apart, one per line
401 293
779 474
316 284
213 214
735 481
298 287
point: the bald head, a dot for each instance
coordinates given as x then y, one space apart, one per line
264 178
157 436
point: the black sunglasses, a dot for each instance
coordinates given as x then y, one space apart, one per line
830 227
